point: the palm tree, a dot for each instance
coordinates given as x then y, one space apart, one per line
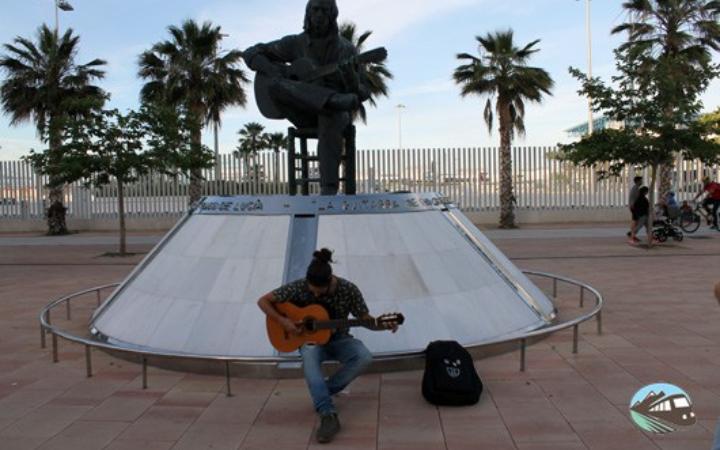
276 142
376 74
671 35
44 85
187 71
252 140
501 73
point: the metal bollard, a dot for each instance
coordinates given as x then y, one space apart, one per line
55 348
554 287
523 344
88 361
144 373
576 328
227 378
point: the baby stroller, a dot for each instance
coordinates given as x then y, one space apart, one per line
664 225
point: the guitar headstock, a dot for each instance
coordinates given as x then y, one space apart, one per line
388 321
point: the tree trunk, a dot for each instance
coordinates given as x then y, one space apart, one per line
55 213
665 178
195 190
507 198
121 213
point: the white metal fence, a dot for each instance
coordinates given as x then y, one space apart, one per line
469 176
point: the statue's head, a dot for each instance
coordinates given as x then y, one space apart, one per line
321 18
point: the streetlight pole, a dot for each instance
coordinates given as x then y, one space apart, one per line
589 55
400 107
65 6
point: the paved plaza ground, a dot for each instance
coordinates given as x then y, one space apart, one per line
661 323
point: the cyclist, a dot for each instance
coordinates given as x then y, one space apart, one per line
712 201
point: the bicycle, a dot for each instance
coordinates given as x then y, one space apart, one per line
690 220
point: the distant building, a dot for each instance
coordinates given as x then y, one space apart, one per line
601 123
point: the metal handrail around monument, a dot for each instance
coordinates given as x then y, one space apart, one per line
522 339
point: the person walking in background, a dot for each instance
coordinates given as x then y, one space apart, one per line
632 197
712 201
640 215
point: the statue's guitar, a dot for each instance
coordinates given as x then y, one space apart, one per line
304 69
317 326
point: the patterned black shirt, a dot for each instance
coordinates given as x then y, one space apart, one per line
346 299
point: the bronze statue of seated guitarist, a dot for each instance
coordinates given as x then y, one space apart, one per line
315 80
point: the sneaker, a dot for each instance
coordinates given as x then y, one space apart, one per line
329 427
633 241
636 240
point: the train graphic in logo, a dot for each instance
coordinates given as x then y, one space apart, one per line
661 408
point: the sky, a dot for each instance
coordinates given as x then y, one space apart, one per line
422 37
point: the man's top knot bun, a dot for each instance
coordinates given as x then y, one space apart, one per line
323 255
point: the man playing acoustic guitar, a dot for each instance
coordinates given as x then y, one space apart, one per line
340 298
326 102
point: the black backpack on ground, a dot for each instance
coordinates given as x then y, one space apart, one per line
450 377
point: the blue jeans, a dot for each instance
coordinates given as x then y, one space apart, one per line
716 444
350 352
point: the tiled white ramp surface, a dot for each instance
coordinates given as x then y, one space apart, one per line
421 265
198 295
409 253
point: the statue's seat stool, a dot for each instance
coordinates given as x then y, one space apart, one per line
347 161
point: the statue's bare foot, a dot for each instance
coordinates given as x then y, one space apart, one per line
343 102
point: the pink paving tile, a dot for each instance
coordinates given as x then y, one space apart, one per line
20 403
177 397
131 444
162 423
45 421
217 436
685 445
21 443
612 435
85 435
551 446
120 408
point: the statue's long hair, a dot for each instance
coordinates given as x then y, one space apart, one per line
334 28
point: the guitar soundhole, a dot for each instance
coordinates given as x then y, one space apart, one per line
309 324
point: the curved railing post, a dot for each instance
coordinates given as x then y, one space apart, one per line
55 348
227 378
88 361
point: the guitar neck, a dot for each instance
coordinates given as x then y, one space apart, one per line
344 323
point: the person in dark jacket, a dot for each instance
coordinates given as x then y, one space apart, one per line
641 215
